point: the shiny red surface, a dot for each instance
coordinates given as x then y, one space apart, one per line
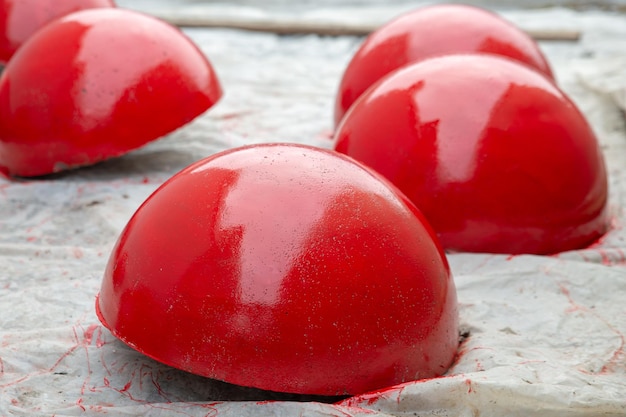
286 268
432 31
96 84
497 158
19 19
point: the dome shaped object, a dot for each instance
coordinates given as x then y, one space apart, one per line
96 84
20 19
494 154
286 268
433 31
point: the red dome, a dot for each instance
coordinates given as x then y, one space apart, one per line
96 84
434 31
286 268
494 154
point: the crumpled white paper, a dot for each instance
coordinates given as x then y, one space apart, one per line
545 335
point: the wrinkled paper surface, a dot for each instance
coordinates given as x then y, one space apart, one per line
546 334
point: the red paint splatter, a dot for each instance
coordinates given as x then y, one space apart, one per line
126 387
78 253
617 356
609 366
470 389
79 403
88 334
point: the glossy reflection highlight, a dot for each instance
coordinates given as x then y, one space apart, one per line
97 84
493 153
286 268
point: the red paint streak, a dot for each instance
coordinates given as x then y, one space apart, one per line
609 366
369 400
145 180
1 367
88 334
160 390
387 394
14 401
573 306
126 387
86 340
470 389
80 404
511 257
615 359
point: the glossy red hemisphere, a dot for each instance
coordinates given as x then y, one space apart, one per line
286 268
433 31
496 157
20 19
96 84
